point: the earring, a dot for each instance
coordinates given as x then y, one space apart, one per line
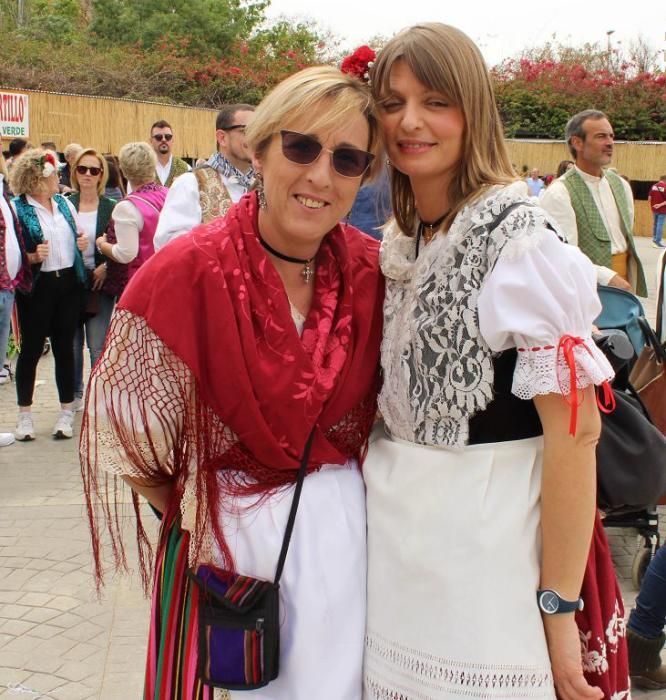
261 193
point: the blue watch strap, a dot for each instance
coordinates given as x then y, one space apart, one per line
551 602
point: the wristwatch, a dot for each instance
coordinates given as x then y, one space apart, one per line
552 603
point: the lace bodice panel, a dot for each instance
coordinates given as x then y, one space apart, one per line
473 293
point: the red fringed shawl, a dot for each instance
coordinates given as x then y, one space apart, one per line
245 389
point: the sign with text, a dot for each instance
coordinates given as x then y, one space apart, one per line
13 115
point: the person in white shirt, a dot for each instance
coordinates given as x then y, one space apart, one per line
168 166
594 206
207 192
52 306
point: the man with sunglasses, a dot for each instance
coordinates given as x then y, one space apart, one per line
169 167
208 191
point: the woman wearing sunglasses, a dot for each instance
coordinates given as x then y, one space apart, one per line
482 542
51 307
134 219
88 180
237 342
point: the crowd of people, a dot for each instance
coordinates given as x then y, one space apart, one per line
76 231
239 373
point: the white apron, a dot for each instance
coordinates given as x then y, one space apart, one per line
453 569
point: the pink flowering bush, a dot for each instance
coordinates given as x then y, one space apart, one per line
537 97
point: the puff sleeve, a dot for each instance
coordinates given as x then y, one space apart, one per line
542 300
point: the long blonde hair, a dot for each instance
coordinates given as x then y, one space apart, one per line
447 61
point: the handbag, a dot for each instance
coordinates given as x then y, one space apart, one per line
116 273
631 456
648 377
238 620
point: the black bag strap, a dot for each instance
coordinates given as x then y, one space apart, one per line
652 340
661 330
294 507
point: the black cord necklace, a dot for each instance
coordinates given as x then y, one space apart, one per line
307 272
431 227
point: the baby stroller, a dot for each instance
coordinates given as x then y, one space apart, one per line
624 334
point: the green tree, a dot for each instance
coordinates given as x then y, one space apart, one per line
199 26
56 21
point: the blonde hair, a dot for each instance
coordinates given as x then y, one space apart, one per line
101 184
138 161
25 176
297 98
70 149
447 61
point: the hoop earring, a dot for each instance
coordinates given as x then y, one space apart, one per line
261 192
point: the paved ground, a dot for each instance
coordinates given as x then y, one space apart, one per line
56 640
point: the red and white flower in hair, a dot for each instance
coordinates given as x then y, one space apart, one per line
48 164
359 63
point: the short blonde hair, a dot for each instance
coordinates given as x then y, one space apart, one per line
102 164
138 162
71 149
447 61
26 175
296 100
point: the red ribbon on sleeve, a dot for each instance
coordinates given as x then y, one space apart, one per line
566 346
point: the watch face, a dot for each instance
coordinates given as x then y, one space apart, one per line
549 602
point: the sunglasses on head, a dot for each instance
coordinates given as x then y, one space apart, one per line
92 170
303 149
162 137
234 127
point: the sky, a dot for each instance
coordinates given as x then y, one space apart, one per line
501 28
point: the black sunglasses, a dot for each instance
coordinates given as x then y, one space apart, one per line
160 137
83 170
233 127
304 149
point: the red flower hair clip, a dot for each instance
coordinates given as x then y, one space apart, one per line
359 63
48 164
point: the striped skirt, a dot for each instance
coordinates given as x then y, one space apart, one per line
172 645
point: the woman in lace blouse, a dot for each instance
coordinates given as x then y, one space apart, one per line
227 350
481 491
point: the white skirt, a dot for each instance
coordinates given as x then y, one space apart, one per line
453 569
323 586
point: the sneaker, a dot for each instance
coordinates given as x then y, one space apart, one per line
77 404
658 245
4 375
6 439
25 430
62 430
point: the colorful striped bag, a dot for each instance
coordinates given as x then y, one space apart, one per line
239 632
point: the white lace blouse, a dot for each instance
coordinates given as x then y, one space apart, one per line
471 294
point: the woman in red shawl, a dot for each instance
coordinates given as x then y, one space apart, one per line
226 350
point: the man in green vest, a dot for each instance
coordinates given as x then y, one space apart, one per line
594 206
169 167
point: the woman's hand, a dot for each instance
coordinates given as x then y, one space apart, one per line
101 243
99 276
566 659
81 241
41 253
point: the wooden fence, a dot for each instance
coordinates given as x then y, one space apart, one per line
107 123
637 161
